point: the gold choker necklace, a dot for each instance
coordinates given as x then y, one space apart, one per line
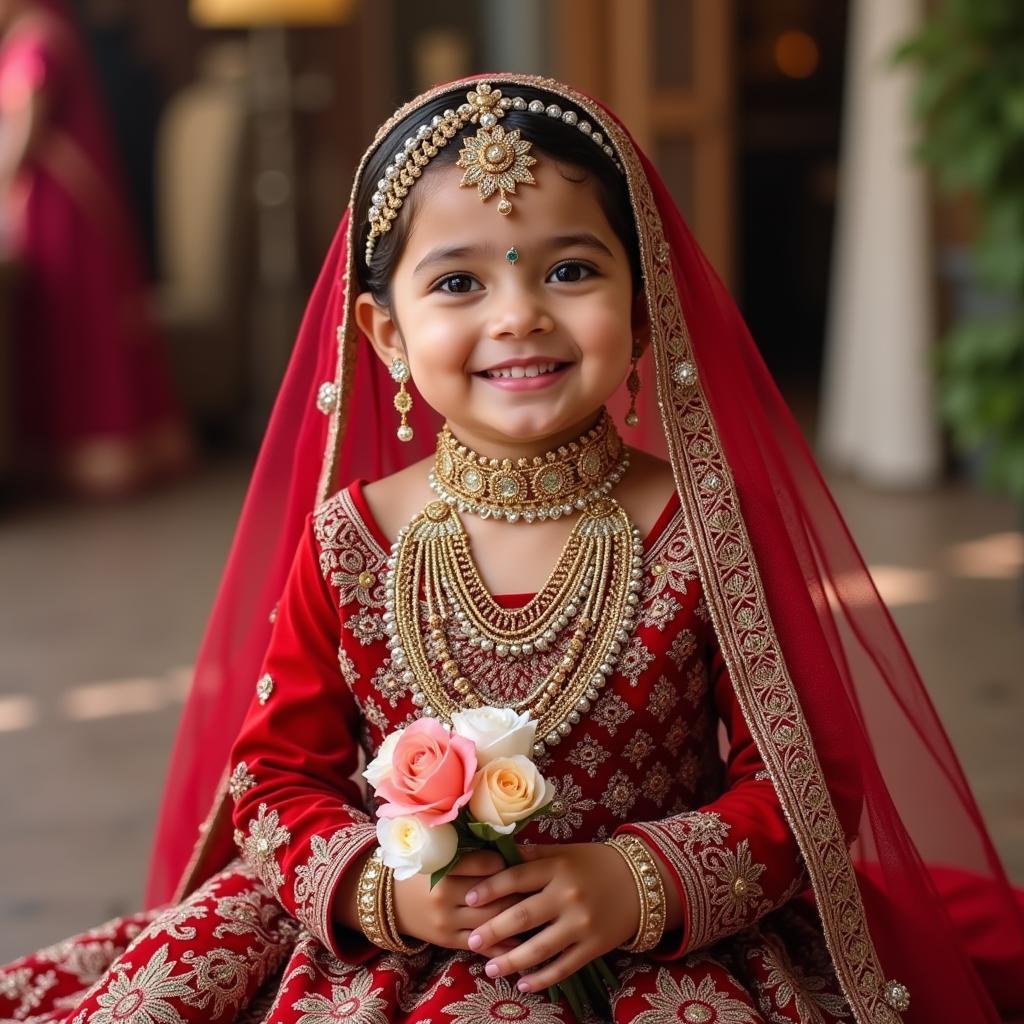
548 486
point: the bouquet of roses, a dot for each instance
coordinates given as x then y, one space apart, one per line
449 790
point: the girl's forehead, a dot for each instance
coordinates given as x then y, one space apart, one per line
563 201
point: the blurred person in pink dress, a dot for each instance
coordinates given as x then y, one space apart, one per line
95 410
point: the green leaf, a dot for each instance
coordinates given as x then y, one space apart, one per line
437 875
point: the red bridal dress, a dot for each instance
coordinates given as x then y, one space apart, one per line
257 942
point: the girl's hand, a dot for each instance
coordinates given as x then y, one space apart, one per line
440 915
583 901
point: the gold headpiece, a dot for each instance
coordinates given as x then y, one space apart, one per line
494 160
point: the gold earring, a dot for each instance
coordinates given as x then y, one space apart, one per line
633 383
403 400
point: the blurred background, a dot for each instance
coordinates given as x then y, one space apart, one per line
868 214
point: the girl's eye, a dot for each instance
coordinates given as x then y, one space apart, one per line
456 284
570 272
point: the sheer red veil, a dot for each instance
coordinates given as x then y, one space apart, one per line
825 682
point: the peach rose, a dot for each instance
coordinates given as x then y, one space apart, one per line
508 789
431 774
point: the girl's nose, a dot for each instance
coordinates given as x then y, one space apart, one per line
519 313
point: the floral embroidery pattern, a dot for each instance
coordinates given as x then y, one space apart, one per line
388 683
657 783
573 804
266 835
349 672
611 711
498 1000
315 881
143 998
660 611
620 795
635 660
720 884
349 559
677 561
367 627
785 984
683 647
695 1003
241 781
639 748
589 755
355 1002
664 697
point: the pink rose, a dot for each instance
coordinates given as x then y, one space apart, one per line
431 774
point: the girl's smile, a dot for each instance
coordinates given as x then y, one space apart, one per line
525 374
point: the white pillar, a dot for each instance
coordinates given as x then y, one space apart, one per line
878 415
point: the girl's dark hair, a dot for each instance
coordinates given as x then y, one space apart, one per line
554 138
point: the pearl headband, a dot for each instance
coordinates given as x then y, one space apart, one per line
494 160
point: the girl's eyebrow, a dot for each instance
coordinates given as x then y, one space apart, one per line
452 252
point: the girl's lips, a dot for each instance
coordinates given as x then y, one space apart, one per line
543 380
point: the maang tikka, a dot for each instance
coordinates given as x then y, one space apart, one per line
403 400
494 160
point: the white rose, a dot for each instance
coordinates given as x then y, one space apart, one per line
508 790
412 848
380 767
497 732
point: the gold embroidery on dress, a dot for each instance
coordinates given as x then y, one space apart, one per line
316 879
635 659
657 783
574 804
348 562
721 887
241 781
611 711
660 611
683 647
692 1001
588 755
620 795
259 847
663 698
640 746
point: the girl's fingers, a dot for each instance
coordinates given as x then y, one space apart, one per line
525 914
472 918
482 862
530 877
571 960
551 942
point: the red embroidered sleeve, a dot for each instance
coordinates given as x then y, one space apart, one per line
299 815
734 859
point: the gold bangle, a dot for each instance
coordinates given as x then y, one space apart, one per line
399 945
369 901
375 898
650 889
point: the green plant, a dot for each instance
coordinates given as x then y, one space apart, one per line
970 102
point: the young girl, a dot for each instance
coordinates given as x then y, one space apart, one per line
547 471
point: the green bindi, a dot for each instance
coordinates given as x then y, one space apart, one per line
512 255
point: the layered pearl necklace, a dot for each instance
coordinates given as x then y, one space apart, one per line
579 622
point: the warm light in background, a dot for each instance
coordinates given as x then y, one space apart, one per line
250 13
796 54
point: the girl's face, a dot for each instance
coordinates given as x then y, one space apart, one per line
520 356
